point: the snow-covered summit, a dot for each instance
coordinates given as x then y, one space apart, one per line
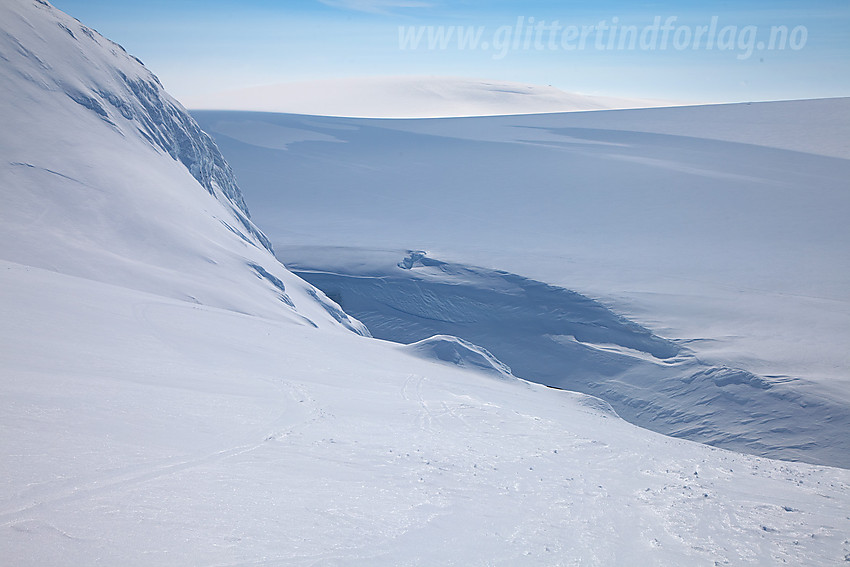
409 97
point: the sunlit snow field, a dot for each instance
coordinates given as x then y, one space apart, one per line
171 394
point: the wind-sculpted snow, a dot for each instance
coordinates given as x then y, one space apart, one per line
338 314
105 176
561 338
459 352
164 123
691 221
722 228
118 89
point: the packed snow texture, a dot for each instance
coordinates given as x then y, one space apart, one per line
141 430
171 395
409 97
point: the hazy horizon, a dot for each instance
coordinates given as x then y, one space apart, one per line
663 51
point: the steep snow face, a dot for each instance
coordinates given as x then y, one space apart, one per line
105 176
409 97
54 52
563 339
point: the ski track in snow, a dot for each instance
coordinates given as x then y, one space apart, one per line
87 487
365 455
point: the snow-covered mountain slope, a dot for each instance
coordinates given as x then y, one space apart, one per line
740 249
409 97
140 430
105 176
161 402
562 339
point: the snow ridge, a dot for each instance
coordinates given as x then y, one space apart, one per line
108 178
459 352
125 95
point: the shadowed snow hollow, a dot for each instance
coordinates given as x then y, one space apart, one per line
563 339
725 226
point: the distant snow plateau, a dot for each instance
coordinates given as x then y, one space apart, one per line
409 97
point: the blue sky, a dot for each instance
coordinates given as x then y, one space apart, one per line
196 47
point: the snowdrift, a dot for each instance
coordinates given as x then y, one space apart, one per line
721 228
139 429
563 339
459 352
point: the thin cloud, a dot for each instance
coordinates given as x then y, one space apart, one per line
376 6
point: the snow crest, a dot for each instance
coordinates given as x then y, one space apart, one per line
106 177
117 88
459 352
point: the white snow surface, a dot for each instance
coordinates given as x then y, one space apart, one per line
165 399
733 243
106 177
458 352
563 339
409 97
140 430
